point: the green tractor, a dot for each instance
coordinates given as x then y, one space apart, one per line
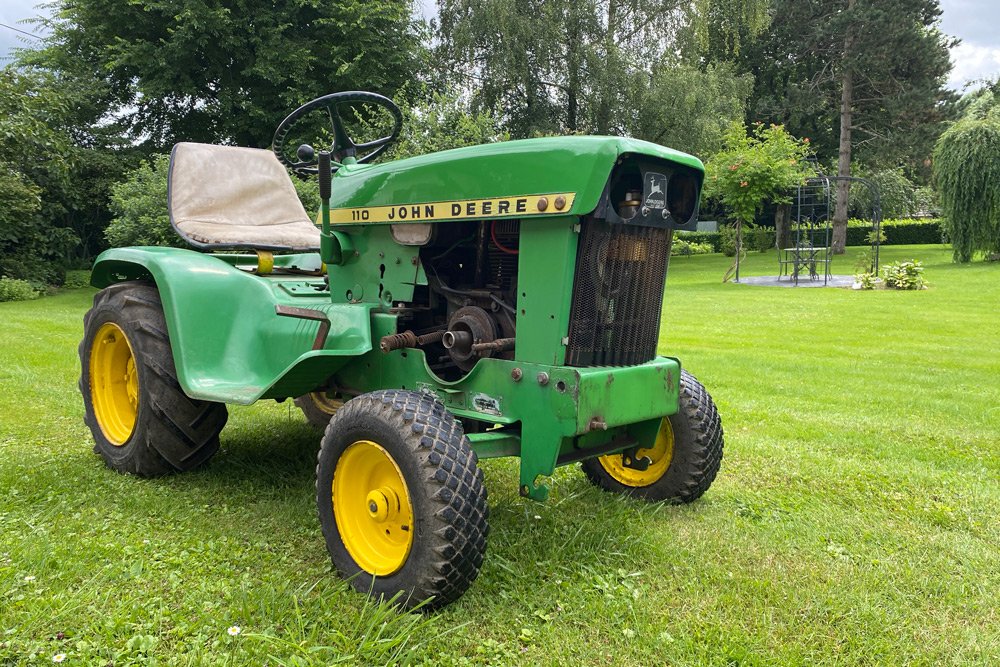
496 300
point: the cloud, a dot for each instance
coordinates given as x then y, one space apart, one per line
973 61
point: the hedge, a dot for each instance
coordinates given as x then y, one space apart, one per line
903 231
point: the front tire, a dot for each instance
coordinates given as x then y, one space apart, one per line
141 420
684 459
401 499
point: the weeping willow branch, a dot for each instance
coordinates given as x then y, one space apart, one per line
967 171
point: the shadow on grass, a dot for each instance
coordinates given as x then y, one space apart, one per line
583 544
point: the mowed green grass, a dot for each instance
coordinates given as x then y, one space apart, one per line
854 521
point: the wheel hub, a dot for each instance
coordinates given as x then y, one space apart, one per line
642 467
383 504
372 508
114 384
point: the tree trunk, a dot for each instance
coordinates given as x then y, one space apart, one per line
844 159
573 48
604 105
782 226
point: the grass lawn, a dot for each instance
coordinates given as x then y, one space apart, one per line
855 519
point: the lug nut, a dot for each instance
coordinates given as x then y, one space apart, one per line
516 374
543 378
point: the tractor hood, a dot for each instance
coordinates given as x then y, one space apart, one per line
532 177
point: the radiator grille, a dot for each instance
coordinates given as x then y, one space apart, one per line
617 294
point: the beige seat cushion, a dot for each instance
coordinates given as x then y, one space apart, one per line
230 197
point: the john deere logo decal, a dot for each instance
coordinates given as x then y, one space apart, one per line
464 209
654 190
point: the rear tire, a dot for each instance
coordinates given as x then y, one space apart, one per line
685 457
141 420
319 406
401 499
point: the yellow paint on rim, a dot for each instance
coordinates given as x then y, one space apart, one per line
114 383
371 505
326 403
661 454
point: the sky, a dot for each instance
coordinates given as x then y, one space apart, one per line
973 21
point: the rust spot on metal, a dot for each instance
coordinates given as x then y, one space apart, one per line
611 380
597 423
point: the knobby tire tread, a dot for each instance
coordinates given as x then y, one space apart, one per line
173 432
447 553
698 447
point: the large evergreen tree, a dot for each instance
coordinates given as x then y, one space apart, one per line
228 70
862 78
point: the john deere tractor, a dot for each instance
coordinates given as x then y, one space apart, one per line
496 300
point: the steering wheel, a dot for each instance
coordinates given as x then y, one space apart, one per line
343 146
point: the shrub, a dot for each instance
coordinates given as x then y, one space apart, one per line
139 204
902 231
871 236
77 279
758 238
866 280
898 194
727 240
686 248
707 238
12 289
904 275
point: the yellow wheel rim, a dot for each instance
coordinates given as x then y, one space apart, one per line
661 454
114 384
326 403
371 505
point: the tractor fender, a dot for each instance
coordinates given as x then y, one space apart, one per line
227 341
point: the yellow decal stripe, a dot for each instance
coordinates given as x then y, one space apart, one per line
462 209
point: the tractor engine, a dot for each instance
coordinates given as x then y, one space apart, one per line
467 310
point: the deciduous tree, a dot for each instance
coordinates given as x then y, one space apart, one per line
967 173
599 66
228 70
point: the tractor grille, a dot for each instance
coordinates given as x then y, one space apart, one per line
617 295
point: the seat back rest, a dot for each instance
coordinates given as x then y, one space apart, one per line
231 197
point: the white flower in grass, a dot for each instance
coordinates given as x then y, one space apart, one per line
234 630
58 657
30 577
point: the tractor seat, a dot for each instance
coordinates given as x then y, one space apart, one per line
231 197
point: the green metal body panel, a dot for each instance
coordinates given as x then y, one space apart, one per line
376 270
571 402
545 279
230 345
576 164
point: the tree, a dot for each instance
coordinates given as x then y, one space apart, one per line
139 205
228 71
967 173
37 156
439 121
752 168
596 66
863 78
